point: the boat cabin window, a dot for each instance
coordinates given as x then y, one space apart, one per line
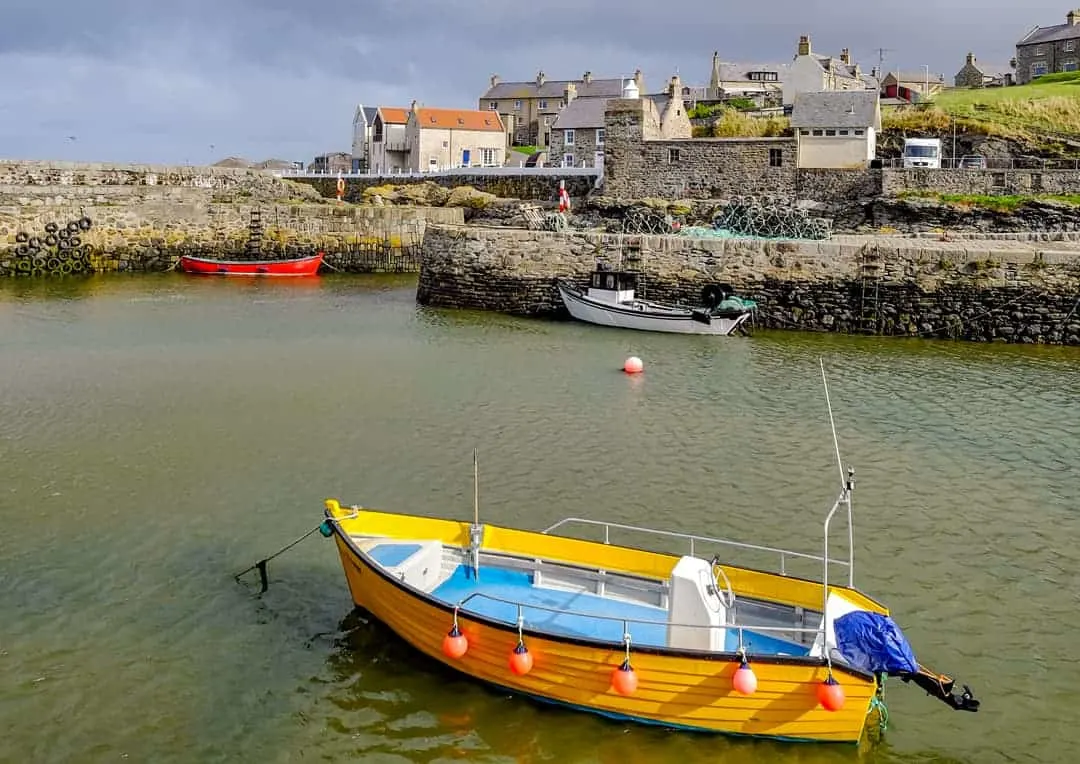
613 280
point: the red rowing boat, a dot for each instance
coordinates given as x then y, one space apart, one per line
300 266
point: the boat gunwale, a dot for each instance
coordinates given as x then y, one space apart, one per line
672 313
210 260
513 630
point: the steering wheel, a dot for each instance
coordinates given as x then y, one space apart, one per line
718 573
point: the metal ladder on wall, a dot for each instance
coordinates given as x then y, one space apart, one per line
253 248
870 272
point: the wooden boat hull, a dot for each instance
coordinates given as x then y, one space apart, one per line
296 267
673 321
681 690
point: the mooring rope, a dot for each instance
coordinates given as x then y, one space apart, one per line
323 527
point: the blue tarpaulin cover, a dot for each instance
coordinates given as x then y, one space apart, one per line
873 642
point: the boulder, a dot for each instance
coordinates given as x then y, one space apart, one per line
469 197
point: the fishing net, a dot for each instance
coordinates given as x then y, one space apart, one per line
638 220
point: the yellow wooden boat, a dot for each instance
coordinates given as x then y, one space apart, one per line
686 641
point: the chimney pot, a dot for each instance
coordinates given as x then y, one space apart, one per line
587 78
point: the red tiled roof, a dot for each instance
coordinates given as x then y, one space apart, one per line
459 119
394 115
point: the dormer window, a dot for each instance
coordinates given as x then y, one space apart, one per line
460 121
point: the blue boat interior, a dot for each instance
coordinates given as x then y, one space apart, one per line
560 605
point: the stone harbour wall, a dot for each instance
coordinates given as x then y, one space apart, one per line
1003 290
525 184
140 227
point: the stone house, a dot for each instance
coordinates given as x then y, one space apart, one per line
389 149
442 139
836 130
363 122
529 109
334 162
761 83
1045 50
976 75
578 135
643 159
811 72
912 86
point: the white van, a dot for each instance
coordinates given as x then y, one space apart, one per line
922 153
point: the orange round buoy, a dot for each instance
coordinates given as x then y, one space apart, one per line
633 365
341 185
745 680
624 679
454 644
521 661
830 694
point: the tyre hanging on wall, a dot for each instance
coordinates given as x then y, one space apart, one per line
51 227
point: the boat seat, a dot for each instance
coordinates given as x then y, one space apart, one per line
416 563
696 615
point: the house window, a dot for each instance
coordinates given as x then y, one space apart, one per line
830 132
568 160
843 132
599 136
1036 181
1070 46
493 106
776 157
1038 69
517 105
860 132
1068 66
672 156
547 119
568 137
1040 51
433 162
804 132
543 103
819 132
487 157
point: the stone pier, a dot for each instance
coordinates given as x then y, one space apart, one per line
1011 290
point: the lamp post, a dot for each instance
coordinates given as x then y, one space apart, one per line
926 81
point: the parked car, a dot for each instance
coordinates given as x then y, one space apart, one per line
972 162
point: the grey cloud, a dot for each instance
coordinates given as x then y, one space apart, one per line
163 81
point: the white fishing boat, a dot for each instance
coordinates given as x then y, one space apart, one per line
610 300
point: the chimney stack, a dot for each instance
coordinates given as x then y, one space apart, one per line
570 93
494 80
971 58
587 77
412 106
1072 18
639 79
540 78
845 56
675 87
804 45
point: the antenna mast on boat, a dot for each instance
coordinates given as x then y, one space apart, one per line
847 484
475 532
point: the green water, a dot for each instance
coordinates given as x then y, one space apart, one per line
158 434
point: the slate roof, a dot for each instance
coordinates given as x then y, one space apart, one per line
581 113
588 113
915 76
834 108
603 88
1055 33
737 72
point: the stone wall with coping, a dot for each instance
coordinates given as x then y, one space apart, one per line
75 174
524 184
981 182
1002 290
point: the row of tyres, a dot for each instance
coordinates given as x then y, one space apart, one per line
60 250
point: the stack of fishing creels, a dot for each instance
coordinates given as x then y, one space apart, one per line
59 251
770 218
644 220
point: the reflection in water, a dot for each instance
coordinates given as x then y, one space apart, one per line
160 433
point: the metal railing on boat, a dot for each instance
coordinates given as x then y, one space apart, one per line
627 622
694 539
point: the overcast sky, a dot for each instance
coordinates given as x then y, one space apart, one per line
197 80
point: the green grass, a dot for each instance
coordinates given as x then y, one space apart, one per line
1047 107
528 150
1006 203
